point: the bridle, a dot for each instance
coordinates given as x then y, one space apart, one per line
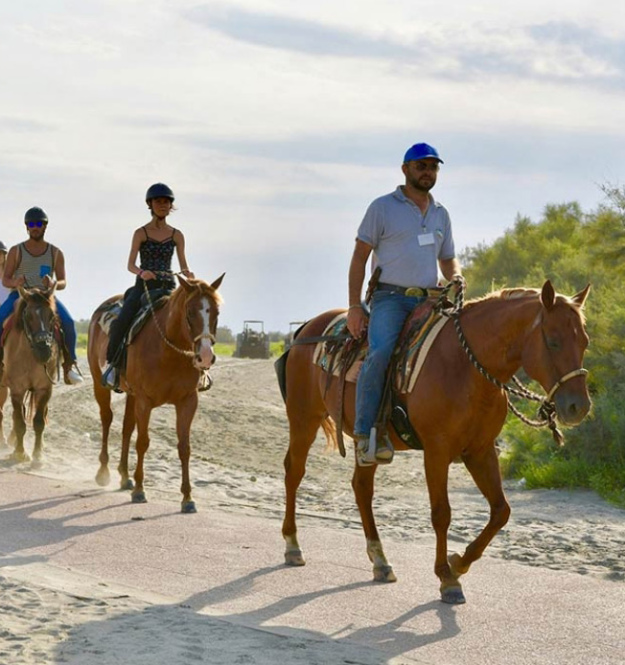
43 337
188 353
547 409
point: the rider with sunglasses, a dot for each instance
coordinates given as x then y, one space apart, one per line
37 263
409 235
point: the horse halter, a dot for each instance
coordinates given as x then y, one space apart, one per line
546 410
188 353
41 337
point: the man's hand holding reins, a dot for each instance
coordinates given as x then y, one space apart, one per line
357 321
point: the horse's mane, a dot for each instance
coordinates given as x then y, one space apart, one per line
520 293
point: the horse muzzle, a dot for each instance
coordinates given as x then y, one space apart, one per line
572 407
42 350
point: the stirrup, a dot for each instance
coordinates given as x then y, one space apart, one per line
110 378
374 450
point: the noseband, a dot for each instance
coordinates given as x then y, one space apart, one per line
566 377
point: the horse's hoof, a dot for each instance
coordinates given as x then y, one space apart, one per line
19 457
139 497
453 595
294 558
384 574
36 464
126 485
103 477
188 507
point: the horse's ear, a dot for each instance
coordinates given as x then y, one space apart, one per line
580 298
184 282
23 292
548 295
217 283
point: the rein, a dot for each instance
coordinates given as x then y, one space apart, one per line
547 410
189 353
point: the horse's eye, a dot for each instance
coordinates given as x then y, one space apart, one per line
552 344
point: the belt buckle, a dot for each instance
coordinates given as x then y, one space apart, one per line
415 292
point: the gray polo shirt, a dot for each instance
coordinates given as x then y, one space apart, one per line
406 244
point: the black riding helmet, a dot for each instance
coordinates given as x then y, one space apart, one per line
35 215
157 190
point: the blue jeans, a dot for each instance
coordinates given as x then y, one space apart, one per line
67 323
389 311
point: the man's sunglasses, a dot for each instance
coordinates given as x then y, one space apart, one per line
31 225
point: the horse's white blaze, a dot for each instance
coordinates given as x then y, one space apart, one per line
205 351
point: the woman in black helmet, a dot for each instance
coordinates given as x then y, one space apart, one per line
154 244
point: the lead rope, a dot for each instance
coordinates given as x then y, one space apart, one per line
546 411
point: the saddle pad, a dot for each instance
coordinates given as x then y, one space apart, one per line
410 365
112 310
330 359
109 313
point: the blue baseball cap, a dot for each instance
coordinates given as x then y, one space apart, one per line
421 151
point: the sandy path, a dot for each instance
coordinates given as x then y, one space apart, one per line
239 439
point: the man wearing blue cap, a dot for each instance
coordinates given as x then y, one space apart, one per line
410 236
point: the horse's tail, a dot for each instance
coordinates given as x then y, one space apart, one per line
329 429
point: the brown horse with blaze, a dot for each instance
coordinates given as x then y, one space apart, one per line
164 362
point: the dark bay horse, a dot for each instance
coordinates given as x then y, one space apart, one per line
163 366
456 411
31 355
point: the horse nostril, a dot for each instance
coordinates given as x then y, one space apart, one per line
198 359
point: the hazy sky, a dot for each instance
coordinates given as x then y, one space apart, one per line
277 123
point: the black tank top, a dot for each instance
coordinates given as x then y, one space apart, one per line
156 256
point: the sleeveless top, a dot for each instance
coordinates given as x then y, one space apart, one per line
35 268
156 256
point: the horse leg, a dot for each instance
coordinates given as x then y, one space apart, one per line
436 474
19 428
142 415
185 410
362 484
303 428
103 398
485 471
128 427
40 400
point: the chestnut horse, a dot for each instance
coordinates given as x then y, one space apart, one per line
31 355
164 362
456 411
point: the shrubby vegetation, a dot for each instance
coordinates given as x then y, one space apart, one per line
572 248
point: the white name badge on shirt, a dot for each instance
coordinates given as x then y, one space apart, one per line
426 239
